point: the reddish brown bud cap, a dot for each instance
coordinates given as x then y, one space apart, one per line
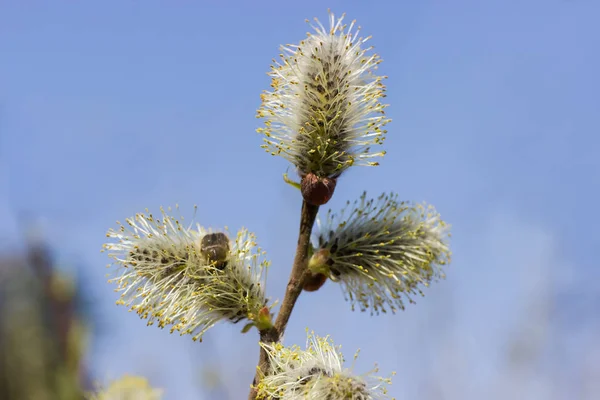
315 190
314 282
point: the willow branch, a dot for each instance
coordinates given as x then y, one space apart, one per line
293 290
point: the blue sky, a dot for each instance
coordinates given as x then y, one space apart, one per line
110 107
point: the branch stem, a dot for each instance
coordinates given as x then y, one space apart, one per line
293 290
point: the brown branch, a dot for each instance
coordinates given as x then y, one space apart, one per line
294 288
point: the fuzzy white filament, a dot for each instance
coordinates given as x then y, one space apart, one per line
324 112
164 275
316 373
382 250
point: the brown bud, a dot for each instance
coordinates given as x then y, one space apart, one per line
314 282
316 190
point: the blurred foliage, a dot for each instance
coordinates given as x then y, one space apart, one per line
43 336
128 388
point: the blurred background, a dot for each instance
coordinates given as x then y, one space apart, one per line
110 107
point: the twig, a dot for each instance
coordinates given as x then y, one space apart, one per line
294 288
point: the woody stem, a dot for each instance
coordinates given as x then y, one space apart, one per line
297 278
